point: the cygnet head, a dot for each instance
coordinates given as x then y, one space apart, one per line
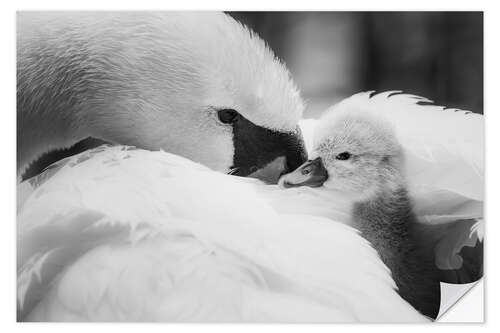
354 153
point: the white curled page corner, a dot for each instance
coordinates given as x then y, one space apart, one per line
462 303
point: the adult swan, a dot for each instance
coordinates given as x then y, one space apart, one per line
200 85
123 234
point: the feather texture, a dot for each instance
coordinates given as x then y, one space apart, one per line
120 234
444 153
151 80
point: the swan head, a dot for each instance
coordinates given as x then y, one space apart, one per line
248 107
353 153
200 85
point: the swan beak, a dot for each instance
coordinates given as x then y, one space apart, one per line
312 173
264 153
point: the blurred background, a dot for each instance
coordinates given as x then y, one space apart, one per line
332 55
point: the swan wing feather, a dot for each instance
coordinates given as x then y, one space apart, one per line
149 236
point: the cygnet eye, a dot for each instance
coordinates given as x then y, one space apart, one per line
343 156
227 116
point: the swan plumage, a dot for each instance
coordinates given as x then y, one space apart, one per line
155 81
444 168
140 235
118 233
443 146
357 155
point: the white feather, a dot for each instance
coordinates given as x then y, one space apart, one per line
123 234
148 79
444 147
444 153
148 236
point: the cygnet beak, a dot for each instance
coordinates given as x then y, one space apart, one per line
312 173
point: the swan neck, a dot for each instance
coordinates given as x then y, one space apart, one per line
387 213
40 132
389 224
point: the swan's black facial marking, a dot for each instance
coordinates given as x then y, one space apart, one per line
256 146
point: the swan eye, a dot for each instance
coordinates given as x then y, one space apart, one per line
343 156
227 116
